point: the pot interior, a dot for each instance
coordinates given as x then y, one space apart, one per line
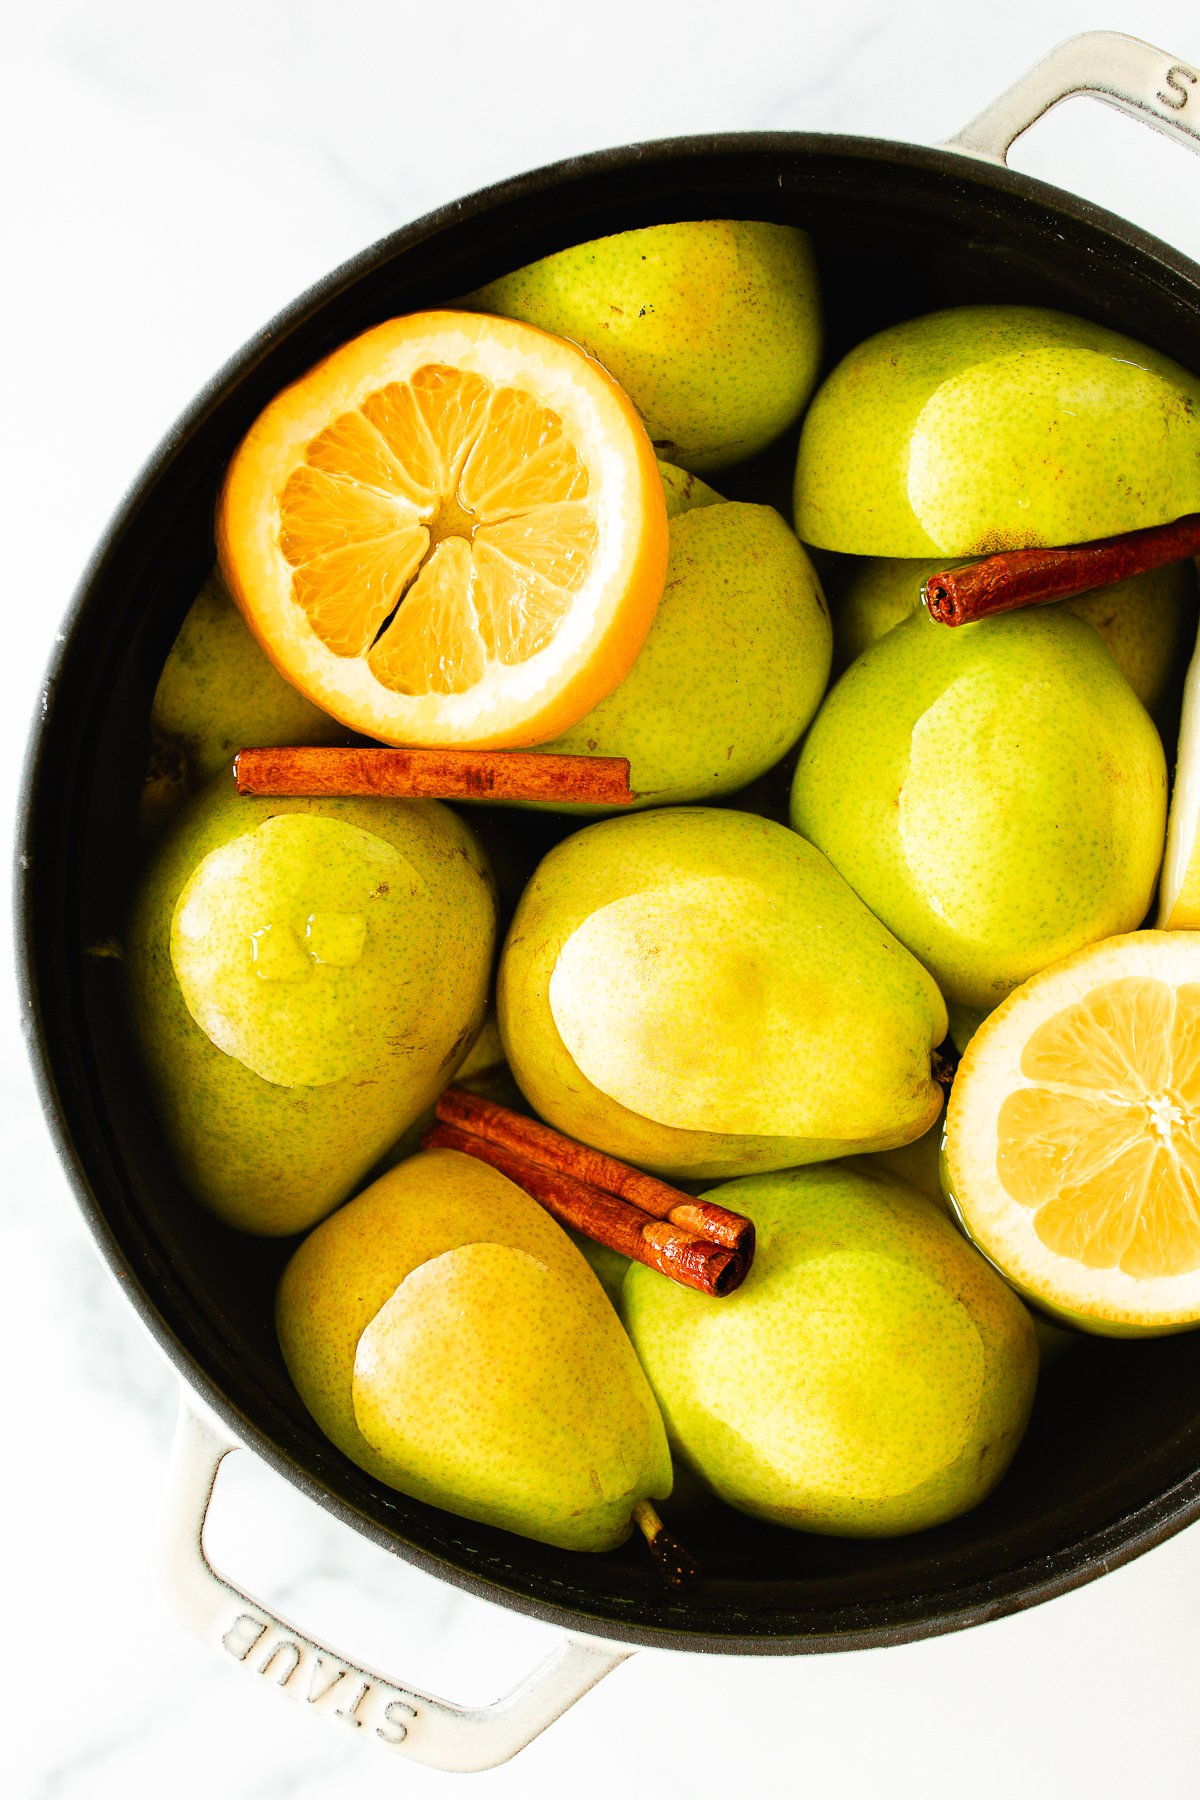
1111 1460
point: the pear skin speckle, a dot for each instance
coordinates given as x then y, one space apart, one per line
447 1335
762 952
872 1375
995 792
711 326
991 427
741 638
271 1156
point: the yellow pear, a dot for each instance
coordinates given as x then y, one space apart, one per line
986 428
873 1374
1145 621
447 1335
219 694
712 327
996 793
305 977
699 992
732 669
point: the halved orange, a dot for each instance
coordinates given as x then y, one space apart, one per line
451 531
1072 1142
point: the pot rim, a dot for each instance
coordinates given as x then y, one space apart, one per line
970 1603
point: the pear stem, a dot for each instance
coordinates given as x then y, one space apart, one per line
945 1064
676 1566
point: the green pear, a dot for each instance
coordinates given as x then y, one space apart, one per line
733 667
918 1163
449 1338
483 1070
219 694
712 327
1056 1339
873 1375
698 992
305 977
1147 622
992 427
685 491
995 792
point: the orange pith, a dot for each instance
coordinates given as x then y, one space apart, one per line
440 526
1104 1147
450 531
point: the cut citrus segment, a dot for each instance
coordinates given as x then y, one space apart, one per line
1179 887
1072 1144
433 645
451 531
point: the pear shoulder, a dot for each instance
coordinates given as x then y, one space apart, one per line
984 428
698 992
743 631
872 1375
712 327
995 793
304 977
450 1339
1145 622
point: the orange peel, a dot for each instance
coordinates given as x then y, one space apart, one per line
450 531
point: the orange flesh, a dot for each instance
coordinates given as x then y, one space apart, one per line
440 527
1104 1149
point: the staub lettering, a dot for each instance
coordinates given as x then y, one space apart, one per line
323 1680
290 1654
346 1693
243 1634
1180 80
394 1730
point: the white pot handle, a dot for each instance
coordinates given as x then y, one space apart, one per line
1123 71
252 1637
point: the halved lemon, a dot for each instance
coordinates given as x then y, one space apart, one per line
1072 1142
451 531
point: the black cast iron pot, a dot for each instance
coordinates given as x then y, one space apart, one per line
1111 1463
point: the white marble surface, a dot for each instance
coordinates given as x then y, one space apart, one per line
172 175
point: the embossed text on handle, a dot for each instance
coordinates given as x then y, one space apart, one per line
278 1657
1121 71
1180 80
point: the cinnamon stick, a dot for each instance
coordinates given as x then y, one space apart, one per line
324 772
540 1143
1017 578
693 1261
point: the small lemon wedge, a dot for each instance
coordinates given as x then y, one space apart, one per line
1072 1142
